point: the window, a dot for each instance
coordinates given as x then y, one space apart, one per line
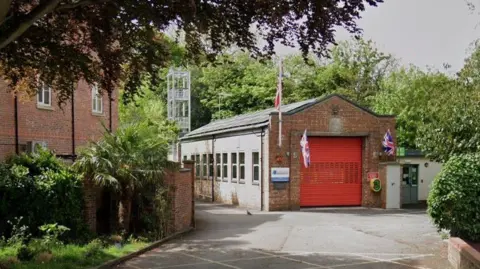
44 95
197 166
204 166
256 167
225 166
218 163
192 158
242 166
184 157
210 165
234 167
97 100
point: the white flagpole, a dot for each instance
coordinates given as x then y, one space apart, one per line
280 77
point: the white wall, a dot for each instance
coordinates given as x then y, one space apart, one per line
266 172
425 174
247 193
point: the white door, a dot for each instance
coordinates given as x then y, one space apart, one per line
393 186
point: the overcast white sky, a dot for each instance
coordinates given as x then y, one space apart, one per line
421 32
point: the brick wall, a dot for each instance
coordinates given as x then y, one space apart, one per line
332 117
182 198
181 193
53 125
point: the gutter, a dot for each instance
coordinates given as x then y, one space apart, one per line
223 131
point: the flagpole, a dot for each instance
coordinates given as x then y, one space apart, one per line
280 77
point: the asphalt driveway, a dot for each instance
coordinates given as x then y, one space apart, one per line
348 238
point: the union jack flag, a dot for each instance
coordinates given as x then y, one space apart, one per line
305 150
387 143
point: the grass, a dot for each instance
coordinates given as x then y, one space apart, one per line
71 257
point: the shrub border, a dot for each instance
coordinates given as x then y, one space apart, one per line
112 263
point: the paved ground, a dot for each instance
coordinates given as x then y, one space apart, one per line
347 238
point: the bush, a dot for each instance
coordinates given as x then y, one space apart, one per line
453 202
41 189
24 253
93 248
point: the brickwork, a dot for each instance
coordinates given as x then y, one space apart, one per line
53 124
181 184
181 188
90 199
332 117
462 255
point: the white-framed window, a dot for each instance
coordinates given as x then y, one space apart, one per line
44 95
97 100
204 166
218 164
255 167
225 166
241 159
210 166
234 167
197 166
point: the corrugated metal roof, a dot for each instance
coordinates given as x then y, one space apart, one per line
243 122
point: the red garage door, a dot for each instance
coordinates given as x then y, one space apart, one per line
334 177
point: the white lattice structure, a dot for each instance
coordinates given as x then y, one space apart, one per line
179 103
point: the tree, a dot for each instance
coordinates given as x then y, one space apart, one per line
125 160
454 128
237 83
415 97
453 200
61 41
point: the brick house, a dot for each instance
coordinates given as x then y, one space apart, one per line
239 160
64 129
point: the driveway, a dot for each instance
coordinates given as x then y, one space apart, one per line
344 238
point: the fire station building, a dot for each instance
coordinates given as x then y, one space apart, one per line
240 161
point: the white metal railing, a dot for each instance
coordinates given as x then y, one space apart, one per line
183 122
179 94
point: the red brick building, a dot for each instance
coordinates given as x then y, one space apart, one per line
40 119
239 160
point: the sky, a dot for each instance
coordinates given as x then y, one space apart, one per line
420 32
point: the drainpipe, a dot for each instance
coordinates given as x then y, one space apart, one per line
15 100
73 125
262 134
110 110
213 179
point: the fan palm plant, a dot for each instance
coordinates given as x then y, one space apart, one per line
125 160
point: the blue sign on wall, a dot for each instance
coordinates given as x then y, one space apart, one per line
280 174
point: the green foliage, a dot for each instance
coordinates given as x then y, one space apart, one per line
121 32
19 233
52 234
455 124
40 189
237 83
153 212
453 200
93 248
24 253
408 94
67 256
125 160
